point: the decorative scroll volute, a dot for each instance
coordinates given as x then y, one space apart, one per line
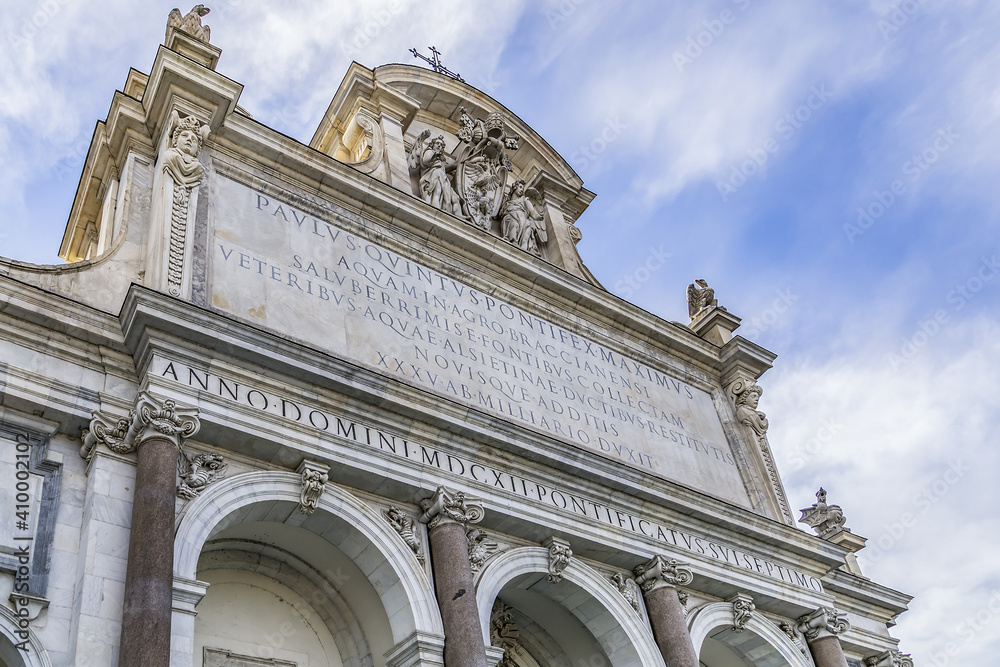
447 506
662 572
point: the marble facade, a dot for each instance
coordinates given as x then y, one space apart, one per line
360 402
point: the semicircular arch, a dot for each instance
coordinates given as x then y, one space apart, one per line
716 615
509 565
34 655
404 587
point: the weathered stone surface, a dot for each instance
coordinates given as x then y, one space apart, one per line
281 268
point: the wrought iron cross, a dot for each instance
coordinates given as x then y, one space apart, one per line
435 62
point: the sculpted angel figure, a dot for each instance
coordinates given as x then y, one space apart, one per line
522 223
435 167
190 22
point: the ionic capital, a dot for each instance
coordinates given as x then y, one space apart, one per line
891 658
662 572
447 506
150 417
824 622
163 418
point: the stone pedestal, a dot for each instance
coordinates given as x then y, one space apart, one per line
658 580
821 629
447 514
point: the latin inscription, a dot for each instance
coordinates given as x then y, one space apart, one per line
277 266
395 447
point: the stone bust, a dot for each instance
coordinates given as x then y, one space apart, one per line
180 160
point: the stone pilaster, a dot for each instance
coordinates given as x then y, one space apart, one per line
659 579
821 629
446 514
158 430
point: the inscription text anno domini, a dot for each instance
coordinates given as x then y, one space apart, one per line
284 269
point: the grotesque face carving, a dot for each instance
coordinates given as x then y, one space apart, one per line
186 141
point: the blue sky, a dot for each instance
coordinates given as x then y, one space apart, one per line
741 137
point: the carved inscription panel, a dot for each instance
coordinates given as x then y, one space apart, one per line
306 278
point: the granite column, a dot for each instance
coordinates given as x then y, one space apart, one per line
158 429
821 629
659 579
446 514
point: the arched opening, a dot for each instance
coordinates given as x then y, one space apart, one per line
9 654
745 649
15 650
337 587
759 644
580 620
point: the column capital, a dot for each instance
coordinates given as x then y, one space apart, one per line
447 506
824 622
163 418
662 572
891 658
150 417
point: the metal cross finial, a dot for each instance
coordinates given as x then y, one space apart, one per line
435 62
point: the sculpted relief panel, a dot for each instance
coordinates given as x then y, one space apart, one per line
473 184
277 267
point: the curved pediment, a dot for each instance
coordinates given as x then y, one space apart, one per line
460 151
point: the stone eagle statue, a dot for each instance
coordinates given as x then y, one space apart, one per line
190 22
699 297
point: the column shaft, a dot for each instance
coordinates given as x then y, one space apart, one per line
145 640
827 652
456 595
666 617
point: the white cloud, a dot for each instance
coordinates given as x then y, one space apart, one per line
908 466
